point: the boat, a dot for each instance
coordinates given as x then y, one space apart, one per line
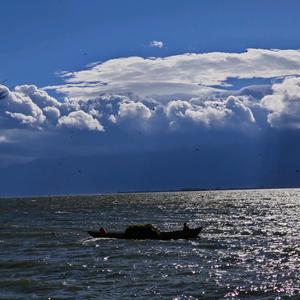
187 233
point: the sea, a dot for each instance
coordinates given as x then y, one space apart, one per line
249 247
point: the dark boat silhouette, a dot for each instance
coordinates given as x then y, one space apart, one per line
190 233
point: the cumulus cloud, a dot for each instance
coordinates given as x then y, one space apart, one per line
156 44
284 104
187 74
134 110
33 108
240 112
192 106
222 113
22 108
38 96
80 120
52 113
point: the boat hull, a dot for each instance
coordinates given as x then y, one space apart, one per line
167 235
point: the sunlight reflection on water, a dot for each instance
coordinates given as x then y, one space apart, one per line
249 246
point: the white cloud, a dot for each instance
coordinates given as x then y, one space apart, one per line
80 120
241 113
284 104
136 110
186 74
136 104
221 113
24 119
23 109
38 96
52 113
31 107
156 44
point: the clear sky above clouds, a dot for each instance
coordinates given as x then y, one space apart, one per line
105 96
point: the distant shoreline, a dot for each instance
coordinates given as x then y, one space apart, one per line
145 192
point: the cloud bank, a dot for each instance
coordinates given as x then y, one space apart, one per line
134 103
27 106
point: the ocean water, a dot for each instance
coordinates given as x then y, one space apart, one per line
249 248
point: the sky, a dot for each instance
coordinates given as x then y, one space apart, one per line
115 96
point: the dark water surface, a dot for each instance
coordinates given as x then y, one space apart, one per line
249 248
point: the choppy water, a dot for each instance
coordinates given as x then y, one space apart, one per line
249 248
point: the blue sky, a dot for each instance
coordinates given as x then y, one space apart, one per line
41 38
103 96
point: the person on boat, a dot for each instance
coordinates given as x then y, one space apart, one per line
103 232
185 227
